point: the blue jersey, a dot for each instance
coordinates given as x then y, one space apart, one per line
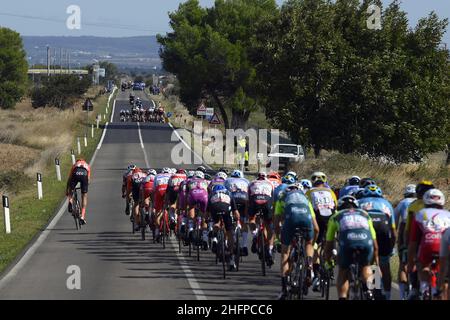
347 190
378 207
401 210
278 190
238 187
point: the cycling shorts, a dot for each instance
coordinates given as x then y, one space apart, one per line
172 196
182 200
260 203
322 222
79 175
345 255
301 221
426 254
222 208
198 198
135 190
158 198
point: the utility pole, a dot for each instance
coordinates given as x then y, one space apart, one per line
48 61
60 60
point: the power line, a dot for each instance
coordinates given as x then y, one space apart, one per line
100 25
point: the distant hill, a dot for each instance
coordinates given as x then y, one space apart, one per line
130 52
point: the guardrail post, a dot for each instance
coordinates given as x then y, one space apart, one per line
6 214
85 140
92 131
98 120
73 156
78 145
39 185
58 169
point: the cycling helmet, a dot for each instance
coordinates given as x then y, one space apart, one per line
288 179
358 194
434 197
221 175
372 191
190 174
306 183
366 182
165 170
295 185
202 169
223 170
151 172
199 174
237 174
131 167
423 187
274 175
347 202
291 173
262 175
354 181
136 170
318 178
219 188
410 190
181 171
173 170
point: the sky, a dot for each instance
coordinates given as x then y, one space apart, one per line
113 18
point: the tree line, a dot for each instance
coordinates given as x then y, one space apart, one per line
319 72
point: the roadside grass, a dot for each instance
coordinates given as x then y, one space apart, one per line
29 216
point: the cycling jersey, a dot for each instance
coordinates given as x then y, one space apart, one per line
426 228
136 180
278 190
401 210
323 201
260 198
80 173
147 186
297 212
222 202
413 209
382 214
275 182
198 193
355 231
81 164
174 187
160 186
445 244
238 188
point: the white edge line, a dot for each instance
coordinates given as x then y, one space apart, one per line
112 112
42 237
103 137
142 146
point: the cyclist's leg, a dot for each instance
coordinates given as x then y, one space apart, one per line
385 268
84 185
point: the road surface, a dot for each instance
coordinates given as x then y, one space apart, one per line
114 263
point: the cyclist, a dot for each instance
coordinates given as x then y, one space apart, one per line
401 212
274 178
382 214
444 274
219 179
427 227
79 173
364 182
182 202
307 184
197 190
159 191
415 206
134 189
355 231
237 185
172 193
295 211
221 201
260 199
324 203
351 185
126 176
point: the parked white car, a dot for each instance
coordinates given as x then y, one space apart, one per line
286 154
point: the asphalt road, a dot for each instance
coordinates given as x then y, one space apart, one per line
114 263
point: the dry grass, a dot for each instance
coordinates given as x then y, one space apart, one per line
391 178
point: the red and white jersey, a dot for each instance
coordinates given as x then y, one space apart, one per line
176 180
147 183
138 177
428 225
81 164
261 188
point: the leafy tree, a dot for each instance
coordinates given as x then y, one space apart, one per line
212 52
336 84
13 68
60 91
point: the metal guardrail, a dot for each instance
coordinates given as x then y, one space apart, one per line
58 71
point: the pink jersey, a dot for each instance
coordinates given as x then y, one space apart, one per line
260 188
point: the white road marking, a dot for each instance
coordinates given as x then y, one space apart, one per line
103 137
198 292
112 112
142 145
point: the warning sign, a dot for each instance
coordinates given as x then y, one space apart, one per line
201 110
214 119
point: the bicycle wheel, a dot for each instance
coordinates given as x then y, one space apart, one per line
197 241
164 229
222 251
143 226
301 276
262 252
178 234
238 249
76 210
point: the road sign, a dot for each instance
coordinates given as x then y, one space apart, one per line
101 72
215 119
88 105
209 112
201 110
